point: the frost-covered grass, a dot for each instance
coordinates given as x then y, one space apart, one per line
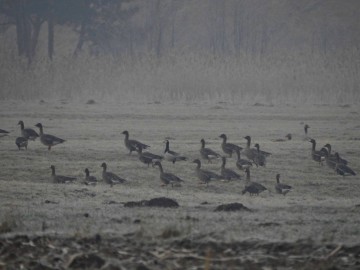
322 207
188 77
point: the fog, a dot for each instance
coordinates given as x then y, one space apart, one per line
271 52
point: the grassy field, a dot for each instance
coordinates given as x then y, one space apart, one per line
323 207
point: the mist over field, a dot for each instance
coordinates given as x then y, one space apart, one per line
271 52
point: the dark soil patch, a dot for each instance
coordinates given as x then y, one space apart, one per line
156 202
232 207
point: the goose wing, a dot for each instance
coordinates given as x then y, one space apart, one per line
29 133
344 170
48 139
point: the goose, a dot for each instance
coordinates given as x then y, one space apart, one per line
242 163
250 153
171 155
61 179
27 133
333 157
288 137
203 175
228 174
133 145
306 137
47 139
330 162
281 188
3 132
260 158
317 155
228 148
341 168
253 188
111 178
21 142
207 153
167 178
147 157
89 179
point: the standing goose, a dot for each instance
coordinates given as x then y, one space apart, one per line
333 156
228 174
242 164
27 133
341 168
316 155
280 187
171 155
89 179
228 148
250 153
167 178
111 178
253 188
21 142
147 157
203 175
260 158
132 145
61 179
47 139
207 153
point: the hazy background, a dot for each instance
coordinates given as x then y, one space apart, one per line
239 51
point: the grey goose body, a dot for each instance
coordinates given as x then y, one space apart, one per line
228 174
242 164
281 188
3 132
21 142
228 148
27 133
47 139
317 156
343 169
167 178
333 157
253 188
204 175
207 153
133 145
259 158
147 157
111 178
170 155
61 179
89 179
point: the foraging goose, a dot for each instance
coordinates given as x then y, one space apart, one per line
229 148
207 153
89 179
203 175
167 178
288 137
21 142
132 145
47 139
253 188
147 157
3 132
333 156
111 178
242 163
228 174
341 168
280 187
317 155
171 155
260 158
61 179
27 133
